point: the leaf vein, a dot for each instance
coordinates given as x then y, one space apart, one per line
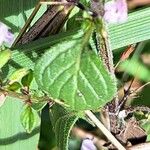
89 84
103 81
60 89
61 73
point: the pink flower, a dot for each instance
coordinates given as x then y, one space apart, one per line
88 144
116 11
5 35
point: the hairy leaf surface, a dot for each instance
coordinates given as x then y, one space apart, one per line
72 73
63 122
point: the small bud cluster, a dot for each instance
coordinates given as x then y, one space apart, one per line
88 144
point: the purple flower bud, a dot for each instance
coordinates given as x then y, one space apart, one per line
116 11
5 35
88 144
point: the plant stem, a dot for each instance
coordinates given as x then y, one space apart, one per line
106 132
15 95
28 22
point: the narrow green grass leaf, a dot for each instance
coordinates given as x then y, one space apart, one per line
135 30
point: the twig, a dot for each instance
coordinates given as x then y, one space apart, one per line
15 95
141 87
104 130
54 3
28 22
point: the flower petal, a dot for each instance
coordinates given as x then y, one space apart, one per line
115 11
88 144
6 35
9 38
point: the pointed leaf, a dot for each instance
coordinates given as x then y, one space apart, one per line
28 118
17 75
70 72
14 86
27 79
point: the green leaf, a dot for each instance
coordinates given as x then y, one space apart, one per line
135 30
17 75
27 79
63 122
5 55
145 124
14 86
135 68
38 106
70 72
12 134
28 118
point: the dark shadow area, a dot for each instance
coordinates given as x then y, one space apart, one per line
15 64
47 136
143 98
4 71
18 136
